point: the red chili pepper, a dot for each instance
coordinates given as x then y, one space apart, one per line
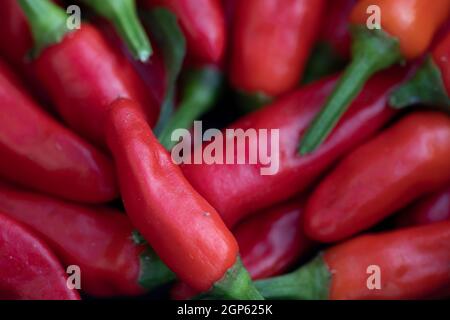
37 152
335 30
16 40
413 264
269 242
431 208
401 164
122 14
271 43
153 72
431 83
231 188
203 23
332 51
407 29
80 71
16 43
184 230
28 269
97 239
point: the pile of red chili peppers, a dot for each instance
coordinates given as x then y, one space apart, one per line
93 202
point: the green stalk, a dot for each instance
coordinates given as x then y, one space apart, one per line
373 51
170 39
425 87
235 285
201 90
250 102
123 15
48 23
310 282
153 272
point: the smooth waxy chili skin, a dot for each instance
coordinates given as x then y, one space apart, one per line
271 43
203 23
38 152
83 75
28 269
414 264
441 57
97 239
412 22
232 190
271 241
385 174
432 208
15 35
184 230
335 30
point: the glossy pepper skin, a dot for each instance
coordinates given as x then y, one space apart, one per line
97 239
335 30
28 269
412 22
432 208
404 162
332 49
185 231
407 29
203 23
231 188
83 75
38 152
16 39
271 43
431 83
271 241
413 264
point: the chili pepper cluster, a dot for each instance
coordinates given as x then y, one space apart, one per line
92 203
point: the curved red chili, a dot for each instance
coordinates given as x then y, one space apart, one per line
184 230
271 43
38 152
411 263
203 23
401 164
271 241
97 239
231 188
28 269
432 208
81 72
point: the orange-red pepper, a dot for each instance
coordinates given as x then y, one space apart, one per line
407 29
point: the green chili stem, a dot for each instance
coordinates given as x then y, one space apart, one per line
153 272
310 282
373 50
123 15
48 23
201 90
235 285
425 87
